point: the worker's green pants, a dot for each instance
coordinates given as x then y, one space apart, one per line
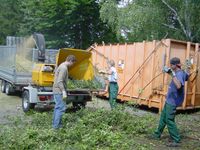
113 92
168 118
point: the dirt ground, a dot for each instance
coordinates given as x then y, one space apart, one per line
9 106
188 122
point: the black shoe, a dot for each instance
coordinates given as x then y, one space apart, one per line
173 144
153 137
170 139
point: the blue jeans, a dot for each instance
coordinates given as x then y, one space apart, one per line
59 110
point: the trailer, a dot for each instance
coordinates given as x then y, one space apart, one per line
11 78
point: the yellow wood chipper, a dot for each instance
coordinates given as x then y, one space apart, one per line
36 84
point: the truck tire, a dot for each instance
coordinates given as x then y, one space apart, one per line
8 88
3 86
26 105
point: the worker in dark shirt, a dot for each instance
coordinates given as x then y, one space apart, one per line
174 98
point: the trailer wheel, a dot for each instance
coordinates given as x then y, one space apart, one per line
26 105
8 88
3 86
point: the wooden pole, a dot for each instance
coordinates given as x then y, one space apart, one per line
196 62
186 84
166 76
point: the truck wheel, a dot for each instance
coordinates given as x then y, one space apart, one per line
8 88
26 105
3 86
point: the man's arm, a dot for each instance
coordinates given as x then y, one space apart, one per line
176 82
179 79
61 79
173 75
108 72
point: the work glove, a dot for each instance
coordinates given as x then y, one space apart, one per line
102 71
64 95
187 66
169 71
188 63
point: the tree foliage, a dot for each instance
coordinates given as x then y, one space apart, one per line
152 19
9 18
65 23
80 23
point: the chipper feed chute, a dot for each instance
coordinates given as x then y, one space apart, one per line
83 68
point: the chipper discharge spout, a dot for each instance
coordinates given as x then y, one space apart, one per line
40 44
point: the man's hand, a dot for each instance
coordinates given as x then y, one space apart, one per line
103 93
169 71
187 66
64 95
188 63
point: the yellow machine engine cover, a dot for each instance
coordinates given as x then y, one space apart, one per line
83 67
42 74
